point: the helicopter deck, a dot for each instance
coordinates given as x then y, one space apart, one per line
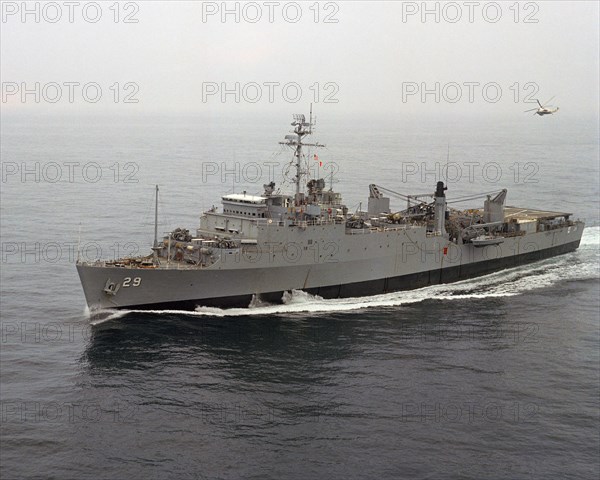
532 214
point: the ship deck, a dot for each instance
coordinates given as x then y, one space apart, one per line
163 265
531 214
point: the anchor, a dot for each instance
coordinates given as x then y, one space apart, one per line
110 288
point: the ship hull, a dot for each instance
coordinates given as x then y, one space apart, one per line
396 265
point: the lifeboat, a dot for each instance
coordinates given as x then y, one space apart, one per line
485 240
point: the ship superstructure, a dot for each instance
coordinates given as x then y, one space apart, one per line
261 246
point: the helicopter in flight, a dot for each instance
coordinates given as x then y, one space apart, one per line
543 109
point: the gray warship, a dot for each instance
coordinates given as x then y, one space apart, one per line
261 247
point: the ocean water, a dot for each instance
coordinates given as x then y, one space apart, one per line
495 377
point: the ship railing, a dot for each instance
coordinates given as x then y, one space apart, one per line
363 231
398 227
179 266
331 221
174 265
519 233
303 223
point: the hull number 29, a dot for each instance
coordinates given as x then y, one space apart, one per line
131 282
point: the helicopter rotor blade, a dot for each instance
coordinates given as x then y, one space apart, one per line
531 110
548 101
539 103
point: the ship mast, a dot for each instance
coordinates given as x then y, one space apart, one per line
155 246
301 129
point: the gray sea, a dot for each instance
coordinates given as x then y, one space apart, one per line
495 377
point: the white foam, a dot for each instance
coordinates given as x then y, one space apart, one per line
106 316
591 236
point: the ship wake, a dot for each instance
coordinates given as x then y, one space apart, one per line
103 316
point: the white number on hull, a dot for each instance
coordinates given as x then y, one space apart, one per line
127 282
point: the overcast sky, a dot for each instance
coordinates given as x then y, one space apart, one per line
369 56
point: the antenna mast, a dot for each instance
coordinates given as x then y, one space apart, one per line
79 242
155 246
301 129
